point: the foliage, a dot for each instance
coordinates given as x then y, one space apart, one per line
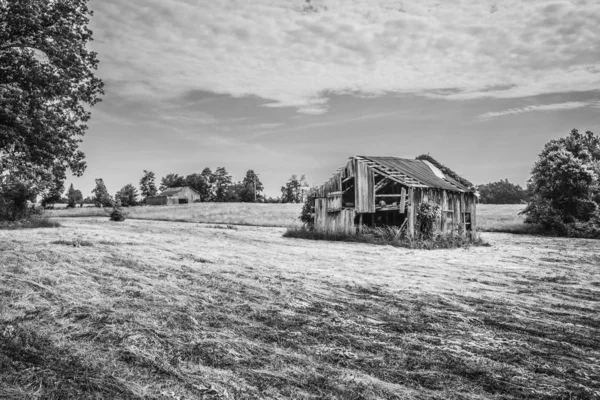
101 196
147 184
307 215
222 180
201 184
294 190
172 180
14 198
128 196
251 188
36 220
54 190
207 190
427 215
565 184
117 213
388 235
501 192
74 197
47 83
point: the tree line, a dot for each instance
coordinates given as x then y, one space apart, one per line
213 186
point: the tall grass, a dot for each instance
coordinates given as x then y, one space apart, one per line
255 214
388 235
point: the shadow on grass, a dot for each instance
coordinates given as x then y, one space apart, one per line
30 360
33 223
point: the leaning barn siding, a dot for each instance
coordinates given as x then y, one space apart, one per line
365 188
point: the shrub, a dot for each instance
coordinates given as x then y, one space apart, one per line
306 215
117 214
15 198
427 215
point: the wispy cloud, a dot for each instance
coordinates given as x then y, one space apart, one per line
570 105
274 50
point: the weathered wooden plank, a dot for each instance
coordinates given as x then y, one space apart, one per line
444 208
473 215
365 188
411 213
402 200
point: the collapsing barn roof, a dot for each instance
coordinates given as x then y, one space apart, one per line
414 173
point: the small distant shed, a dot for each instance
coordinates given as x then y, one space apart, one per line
379 191
174 195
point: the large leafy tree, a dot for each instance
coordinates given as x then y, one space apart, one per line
128 195
501 192
208 192
101 196
251 188
222 180
201 183
47 83
565 181
172 180
54 191
147 184
74 197
295 190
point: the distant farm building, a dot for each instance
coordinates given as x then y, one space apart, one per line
378 191
174 195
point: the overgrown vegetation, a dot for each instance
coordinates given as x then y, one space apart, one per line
117 213
389 235
30 223
565 186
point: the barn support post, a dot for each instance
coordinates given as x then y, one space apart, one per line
462 212
444 211
360 223
456 213
473 218
411 213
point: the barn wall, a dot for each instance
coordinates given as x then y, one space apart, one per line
454 205
156 201
339 221
190 194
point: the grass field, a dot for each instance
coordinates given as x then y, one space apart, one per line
167 310
275 215
490 218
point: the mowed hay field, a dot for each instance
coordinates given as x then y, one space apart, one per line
167 310
490 217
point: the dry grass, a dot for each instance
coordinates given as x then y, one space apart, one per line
490 217
275 215
33 223
388 236
159 310
504 218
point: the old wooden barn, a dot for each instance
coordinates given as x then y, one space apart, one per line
377 191
174 195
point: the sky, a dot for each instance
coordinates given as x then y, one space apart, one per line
294 87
